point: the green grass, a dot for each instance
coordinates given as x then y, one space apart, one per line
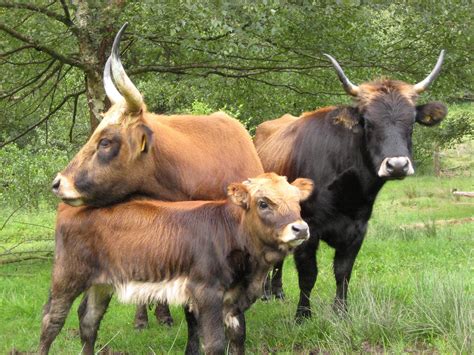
411 291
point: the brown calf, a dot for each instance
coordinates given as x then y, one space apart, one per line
210 256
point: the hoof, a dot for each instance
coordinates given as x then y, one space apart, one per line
141 324
302 314
279 294
340 308
168 321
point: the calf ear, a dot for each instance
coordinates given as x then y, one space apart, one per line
238 194
431 113
305 186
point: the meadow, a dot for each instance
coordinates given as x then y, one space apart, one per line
411 290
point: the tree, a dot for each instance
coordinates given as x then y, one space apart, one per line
263 58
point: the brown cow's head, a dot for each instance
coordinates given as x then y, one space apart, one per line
388 111
273 208
120 144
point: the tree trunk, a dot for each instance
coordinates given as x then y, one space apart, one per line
95 32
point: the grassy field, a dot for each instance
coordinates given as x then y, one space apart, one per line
411 291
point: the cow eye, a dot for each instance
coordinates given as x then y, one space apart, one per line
104 143
262 205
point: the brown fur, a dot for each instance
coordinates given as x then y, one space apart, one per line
186 158
223 248
371 90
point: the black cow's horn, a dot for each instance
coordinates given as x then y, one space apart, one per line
112 93
131 94
423 85
350 88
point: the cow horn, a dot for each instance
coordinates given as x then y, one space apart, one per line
423 85
131 94
350 88
112 93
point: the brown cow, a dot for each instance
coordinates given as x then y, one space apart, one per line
210 256
350 152
135 152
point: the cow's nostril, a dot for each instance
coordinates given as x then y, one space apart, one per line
56 183
295 228
300 229
389 166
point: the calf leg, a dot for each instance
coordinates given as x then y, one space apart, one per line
305 260
192 346
90 312
211 323
236 333
163 314
343 264
277 285
54 315
141 317
273 283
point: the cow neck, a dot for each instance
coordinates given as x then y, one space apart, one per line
328 147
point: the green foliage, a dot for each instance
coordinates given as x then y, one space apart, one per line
458 126
27 174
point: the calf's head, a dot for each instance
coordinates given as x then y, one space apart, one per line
116 157
388 111
272 208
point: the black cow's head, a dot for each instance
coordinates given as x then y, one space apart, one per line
388 111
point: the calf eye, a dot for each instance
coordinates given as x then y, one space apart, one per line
262 205
104 143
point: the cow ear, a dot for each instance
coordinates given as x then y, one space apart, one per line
431 114
146 135
239 195
305 186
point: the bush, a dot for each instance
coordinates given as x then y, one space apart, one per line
27 174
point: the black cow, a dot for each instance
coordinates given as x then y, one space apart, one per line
350 152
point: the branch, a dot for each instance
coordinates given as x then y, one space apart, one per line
41 10
44 119
40 47
183 67
66 10
11 215
28 82
74 112
6 54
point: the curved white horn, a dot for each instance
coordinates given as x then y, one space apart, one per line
423 85
112 93
350 88
131 94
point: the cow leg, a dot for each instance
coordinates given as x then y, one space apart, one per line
343 263
163 314
267 288
277 284
141 317
192 346
54 315
211 322
236 333
305 260
90 312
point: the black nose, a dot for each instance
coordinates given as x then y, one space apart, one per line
56 184
397 166
300 229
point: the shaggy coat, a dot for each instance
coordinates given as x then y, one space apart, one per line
209 256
